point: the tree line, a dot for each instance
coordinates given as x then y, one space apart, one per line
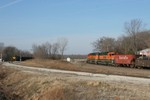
44 51
50 50
136 38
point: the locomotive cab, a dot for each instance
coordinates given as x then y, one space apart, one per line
106 58
92 58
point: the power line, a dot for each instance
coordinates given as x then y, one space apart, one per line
10 4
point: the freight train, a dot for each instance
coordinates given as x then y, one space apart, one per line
115 59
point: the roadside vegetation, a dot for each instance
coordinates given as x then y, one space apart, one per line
51 86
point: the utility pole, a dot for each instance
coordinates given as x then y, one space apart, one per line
20 55
1 57
1 50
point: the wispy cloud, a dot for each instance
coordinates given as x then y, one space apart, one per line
9 4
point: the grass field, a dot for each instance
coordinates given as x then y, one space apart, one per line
22 85
84 67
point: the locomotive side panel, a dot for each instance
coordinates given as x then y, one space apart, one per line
107 59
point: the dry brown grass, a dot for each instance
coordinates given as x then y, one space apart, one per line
80 66
5 91
45 63
34 86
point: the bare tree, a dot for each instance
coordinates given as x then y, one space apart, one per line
40 51
143 40
49 49
135 39
46 51
132 28
148 42
123 45
62 46
104 44
55 50
97 45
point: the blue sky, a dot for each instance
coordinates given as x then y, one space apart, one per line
27 22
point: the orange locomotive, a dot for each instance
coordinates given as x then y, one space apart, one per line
124 60
106 58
